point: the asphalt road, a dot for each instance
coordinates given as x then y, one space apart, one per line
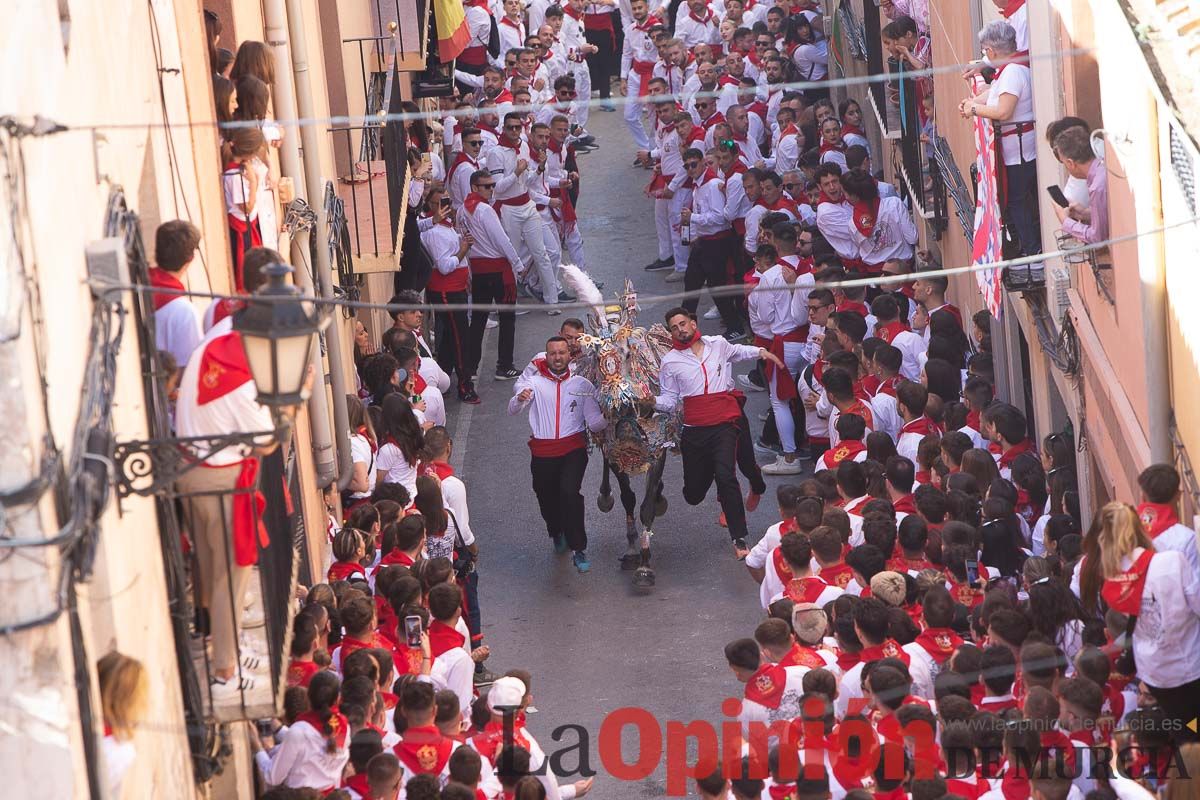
592 643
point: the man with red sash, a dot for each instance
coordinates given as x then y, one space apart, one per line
447 285
465 164
713 241
772 691
910 402
938 641
778 308
176 327
561 406
698 374
637 67
217 396
494 262
1006 428
475 56
1160 498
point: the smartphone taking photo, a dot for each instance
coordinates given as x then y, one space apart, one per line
412 631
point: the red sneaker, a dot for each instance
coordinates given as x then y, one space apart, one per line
721 520
752 501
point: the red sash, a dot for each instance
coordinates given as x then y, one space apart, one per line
889 649
888 331
766 686
556 448
1157 517
249 532
424 750
846 450
1124 592
711 408
337 724
940 643
785 383
161 279
443 638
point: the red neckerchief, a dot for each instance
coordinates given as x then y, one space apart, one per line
1014 786
572 13
707 19
363 432
857 306
905 504
443 638
424 750
847 449
865 217
766 686
801 656
223 368
852 129
782 791
337 724
889 386
1124 591
729 80
161 279
973 420
846 660
838 574
736 168
804 590
1157 517
782 204
889 330
823 198
648 23
940 643
889 649
342 570
902 564
489 741
439 468
461 158
300 673
922 425
492 131
510 23
1058 740
711 121
859 407
505 96
678 345
826 146
397 556
1011 7
516 148
473 201
1023 446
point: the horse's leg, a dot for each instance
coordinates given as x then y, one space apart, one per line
604 500
644 578
629 560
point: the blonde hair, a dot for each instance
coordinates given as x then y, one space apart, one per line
124 686
1177 789
1119 535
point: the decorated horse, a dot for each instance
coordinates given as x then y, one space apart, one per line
621 360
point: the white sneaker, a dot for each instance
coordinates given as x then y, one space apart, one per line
749 385
492 323
712 313
674 277
782 467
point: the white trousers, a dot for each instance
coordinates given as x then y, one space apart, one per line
583 89
662 224
793 356
634 109
572 243
680 201
527 231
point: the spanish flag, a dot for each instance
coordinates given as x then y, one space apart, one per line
452 31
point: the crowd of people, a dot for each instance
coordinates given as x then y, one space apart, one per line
931 567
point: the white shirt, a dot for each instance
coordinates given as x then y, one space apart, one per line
360 453
490 239
692 32
1182 539
777 308
458 181
237 191
773 587
893 236
834 221
911 346
442 241
236 411
454 495
390 460
454 670
502 163
1015 79
708 207
684 374
177 329
557 409
1166 641
887 414
301 760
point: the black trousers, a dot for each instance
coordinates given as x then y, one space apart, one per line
746 461
453 336
709 454
602 65
485 290
708 265
557 482
1182 705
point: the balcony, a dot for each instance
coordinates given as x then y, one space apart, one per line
922 184
881 95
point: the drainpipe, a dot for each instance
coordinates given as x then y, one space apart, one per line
1152 269
283 96
310 143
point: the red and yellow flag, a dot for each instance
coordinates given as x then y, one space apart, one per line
452 31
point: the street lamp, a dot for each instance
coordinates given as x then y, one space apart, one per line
279 334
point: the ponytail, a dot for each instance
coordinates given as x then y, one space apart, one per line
323 692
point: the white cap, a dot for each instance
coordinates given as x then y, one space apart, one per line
506 692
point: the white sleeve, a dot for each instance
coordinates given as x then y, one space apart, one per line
668 386
456 500
516 406
290 749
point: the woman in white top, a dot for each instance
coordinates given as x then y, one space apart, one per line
1009 102
254 98
400 443
1121 566
315 749
1056 613
363 447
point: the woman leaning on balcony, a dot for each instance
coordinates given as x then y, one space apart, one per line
1008 101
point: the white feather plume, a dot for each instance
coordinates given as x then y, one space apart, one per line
581 285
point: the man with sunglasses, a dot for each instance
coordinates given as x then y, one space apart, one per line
508 163
466 162
713 242
494 263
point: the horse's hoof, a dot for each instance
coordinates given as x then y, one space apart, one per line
604 502
643 578
660 506
630 560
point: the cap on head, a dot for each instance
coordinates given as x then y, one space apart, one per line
889 587
809 622
506 693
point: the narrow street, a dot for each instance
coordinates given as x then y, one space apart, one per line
591 642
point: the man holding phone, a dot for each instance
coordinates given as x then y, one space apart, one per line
1088 225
